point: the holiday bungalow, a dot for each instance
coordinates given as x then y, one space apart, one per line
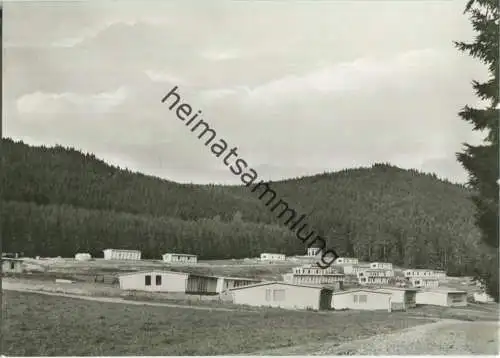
442 297
424 282
12 265
346 261
272 257
402 298
170 281
283 295
374 277
482 297
180 258
120 254
362 299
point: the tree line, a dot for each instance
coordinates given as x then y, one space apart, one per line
481 161
60 201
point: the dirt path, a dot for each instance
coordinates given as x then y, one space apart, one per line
443 337
8 287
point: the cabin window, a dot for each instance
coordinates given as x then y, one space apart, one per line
279 295
158 280
360 298
12 265
268 294
147 279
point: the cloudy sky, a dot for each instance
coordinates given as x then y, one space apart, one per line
299 87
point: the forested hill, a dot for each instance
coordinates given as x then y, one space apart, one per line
60 201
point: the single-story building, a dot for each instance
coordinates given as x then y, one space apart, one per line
402 298
333 281
362 299
154 281
381 265
172 281
313 251
205 284
83 257
442 297
272 257
422 282
353 269
120 254
345 261
374 277
283 295
202 284
10 265
227 283
483 297
180 258
12 255
440 274
313 275
425 273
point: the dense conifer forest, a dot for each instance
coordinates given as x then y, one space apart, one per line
58 201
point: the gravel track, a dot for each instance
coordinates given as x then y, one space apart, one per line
20 288
443 337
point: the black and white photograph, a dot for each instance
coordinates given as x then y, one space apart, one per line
252 178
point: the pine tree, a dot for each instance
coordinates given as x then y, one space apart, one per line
481 161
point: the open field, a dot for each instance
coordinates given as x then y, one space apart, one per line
154 324
473 312
241 268
445 337
86 290
37 324
466 330
251 268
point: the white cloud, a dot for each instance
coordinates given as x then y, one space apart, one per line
282 84
211 95
90 33
39 102
355 76
221 55
68 42
158 76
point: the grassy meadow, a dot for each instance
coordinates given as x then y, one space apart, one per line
41 325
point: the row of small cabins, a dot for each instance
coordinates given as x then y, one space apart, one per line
288 294
135 255
180 282
308 287
367 274
327 283
375 273
323 294
118 254
121 254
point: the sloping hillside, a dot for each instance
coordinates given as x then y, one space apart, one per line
378 213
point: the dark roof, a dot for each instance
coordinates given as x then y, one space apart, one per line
279 283
361 290
173 253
